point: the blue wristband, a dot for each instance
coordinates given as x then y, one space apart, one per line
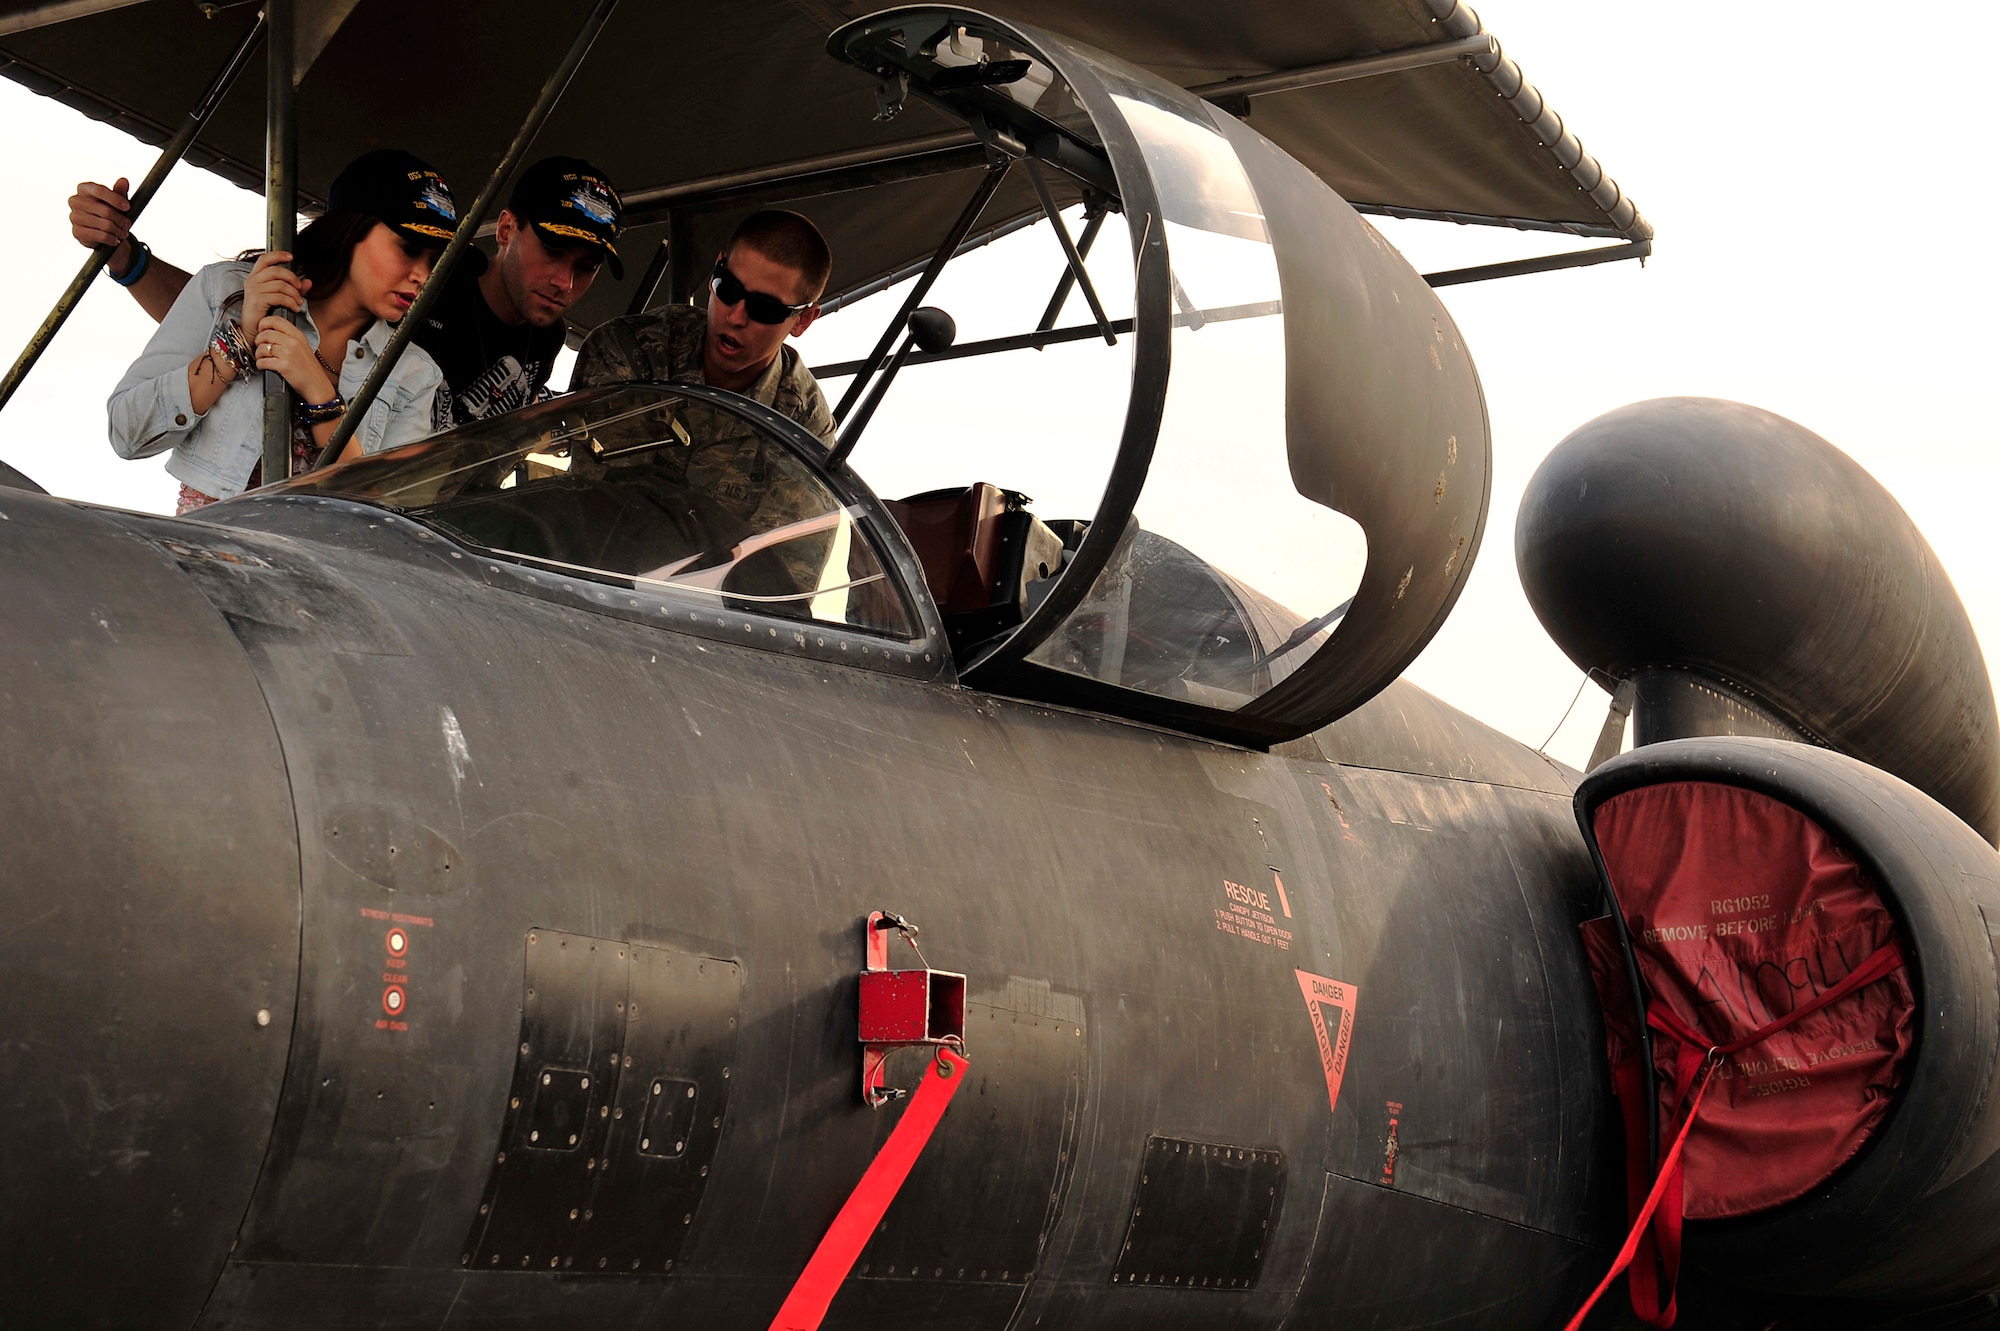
142 257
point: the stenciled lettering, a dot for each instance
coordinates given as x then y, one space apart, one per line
1840 1051
1246 896
1675 933
1781 1085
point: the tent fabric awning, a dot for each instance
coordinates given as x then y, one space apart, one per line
676 91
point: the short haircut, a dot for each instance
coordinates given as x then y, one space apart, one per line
790 239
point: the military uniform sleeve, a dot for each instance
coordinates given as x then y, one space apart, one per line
798 395
814 414
611 354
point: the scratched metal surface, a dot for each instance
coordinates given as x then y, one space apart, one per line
137 1080
475 763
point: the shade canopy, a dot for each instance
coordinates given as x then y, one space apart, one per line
685 105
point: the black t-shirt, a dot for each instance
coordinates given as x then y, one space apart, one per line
489 366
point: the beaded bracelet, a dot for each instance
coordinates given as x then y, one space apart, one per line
228 342
319 413
142 256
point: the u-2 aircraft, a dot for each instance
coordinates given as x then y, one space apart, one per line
436 884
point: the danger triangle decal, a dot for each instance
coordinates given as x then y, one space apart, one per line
1332 1031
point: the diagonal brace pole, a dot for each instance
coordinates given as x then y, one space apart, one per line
281 213
100 255
468 224
649 282
1069 252
1091 227
973 207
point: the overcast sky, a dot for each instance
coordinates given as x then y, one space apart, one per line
1819 189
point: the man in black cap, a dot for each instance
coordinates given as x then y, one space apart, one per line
495 334
495 328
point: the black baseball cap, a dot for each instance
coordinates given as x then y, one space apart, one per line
400 190
568 199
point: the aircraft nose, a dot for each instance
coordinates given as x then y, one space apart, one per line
149 918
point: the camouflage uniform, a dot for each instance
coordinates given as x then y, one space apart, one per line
666 344
733 465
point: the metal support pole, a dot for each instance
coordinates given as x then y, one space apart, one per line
1091 227
468 223
931 330
800 177
1034 341
281 214
851 434
26 18
910 270
649 281
680 257
101 255
1342 71
973 207
1550 263
1076 268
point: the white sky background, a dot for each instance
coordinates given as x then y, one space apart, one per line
1820 203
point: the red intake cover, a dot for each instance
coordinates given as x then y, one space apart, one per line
1741 907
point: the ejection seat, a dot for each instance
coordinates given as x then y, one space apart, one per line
988 560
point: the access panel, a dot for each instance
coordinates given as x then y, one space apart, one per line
1201 1215
980 1201
621 1084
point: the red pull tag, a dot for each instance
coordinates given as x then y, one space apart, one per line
805 1307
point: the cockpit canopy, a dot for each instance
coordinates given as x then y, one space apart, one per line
1302 417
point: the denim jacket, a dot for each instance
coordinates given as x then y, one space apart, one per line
150 409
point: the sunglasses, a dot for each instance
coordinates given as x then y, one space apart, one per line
729 289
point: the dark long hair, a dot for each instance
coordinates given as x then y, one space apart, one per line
323 251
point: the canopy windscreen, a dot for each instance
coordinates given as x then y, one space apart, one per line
675 92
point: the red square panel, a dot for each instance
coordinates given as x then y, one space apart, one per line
895 1006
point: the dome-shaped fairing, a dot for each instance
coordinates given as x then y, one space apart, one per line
1725 545
1305 429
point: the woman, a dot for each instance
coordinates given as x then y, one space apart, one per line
196 389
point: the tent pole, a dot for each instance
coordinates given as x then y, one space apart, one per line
281 213
680 257
468 223
101 255
1070 254
1091 227
995 173
1548 263
642 295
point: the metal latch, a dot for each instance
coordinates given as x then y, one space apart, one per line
901 1008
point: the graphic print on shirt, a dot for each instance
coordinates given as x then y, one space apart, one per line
505 385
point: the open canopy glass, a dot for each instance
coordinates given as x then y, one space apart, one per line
1302 470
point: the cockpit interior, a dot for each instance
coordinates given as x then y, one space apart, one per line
691 494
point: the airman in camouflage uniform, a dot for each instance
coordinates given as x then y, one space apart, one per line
667 344
733 465
764 291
